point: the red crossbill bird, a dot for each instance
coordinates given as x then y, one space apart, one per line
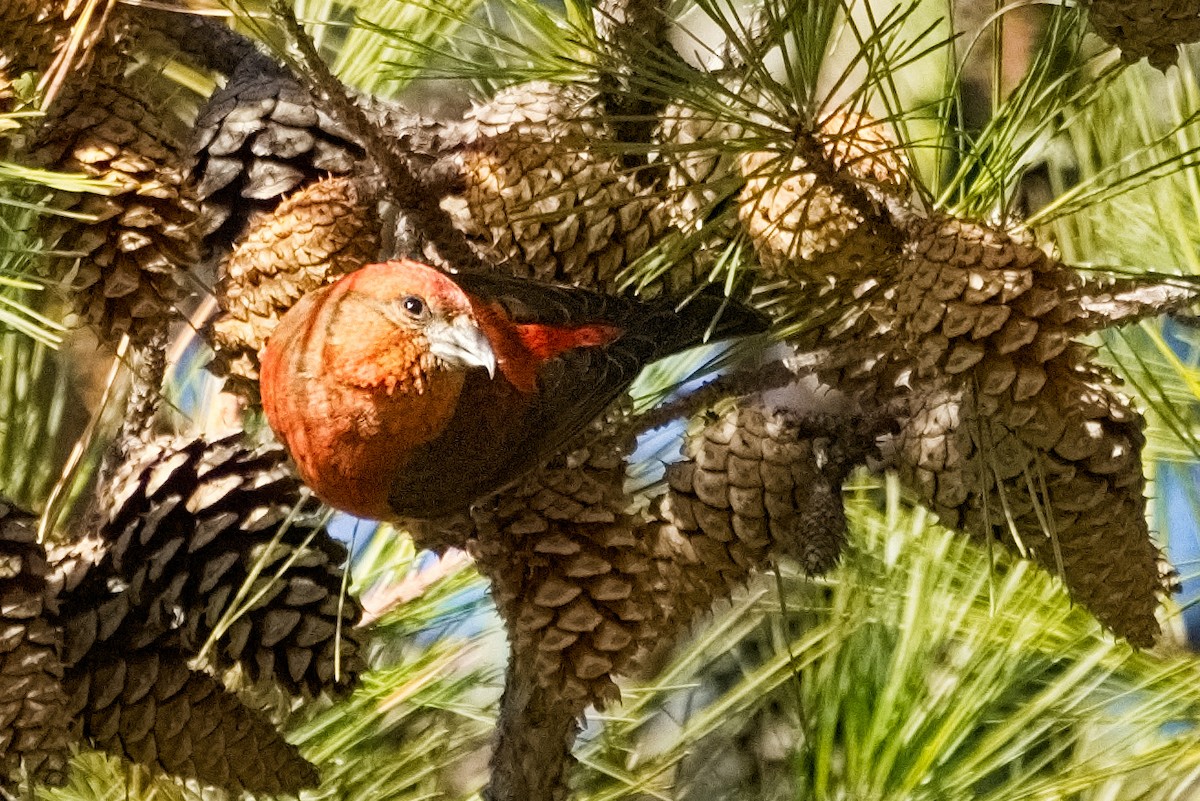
403 391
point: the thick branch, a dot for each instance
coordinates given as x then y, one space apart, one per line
742 382
633 31
534 737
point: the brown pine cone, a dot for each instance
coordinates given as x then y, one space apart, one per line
541 199
754 485
700 168
957 290
259 137
814 211
568 575
188 522
151 709
328 228
701 174
576 590
1150 29
1010 419
124 267
757 482
34 726
972 328
1057 476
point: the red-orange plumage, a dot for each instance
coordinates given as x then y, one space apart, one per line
522 349
403 391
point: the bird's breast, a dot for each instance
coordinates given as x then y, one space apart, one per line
358 440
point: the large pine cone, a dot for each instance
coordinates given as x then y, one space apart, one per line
1150 29
576 590
756 482
1014 422
325 230
1058 477
541 200
34 725
259 137
150 708
189 520
574 585
124 270
1007 418
971 330
814 211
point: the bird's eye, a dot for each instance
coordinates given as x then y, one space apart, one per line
414 306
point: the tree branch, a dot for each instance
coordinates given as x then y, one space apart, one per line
206 42
534 737
633 31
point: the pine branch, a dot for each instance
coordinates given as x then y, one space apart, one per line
534 737
730 385
633 30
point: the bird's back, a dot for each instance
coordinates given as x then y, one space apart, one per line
499 433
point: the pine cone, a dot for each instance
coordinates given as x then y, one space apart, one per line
576 589
1008 418
124 274
540 200
813 211
756 482
700 168
263 135
972 329
701 174
34 727
1013 419
328 228
1066 461
150 708
188 522
258 138
570 579
1150 29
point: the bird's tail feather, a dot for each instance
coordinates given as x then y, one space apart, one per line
708 316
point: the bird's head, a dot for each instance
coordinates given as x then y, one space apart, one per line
400 322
